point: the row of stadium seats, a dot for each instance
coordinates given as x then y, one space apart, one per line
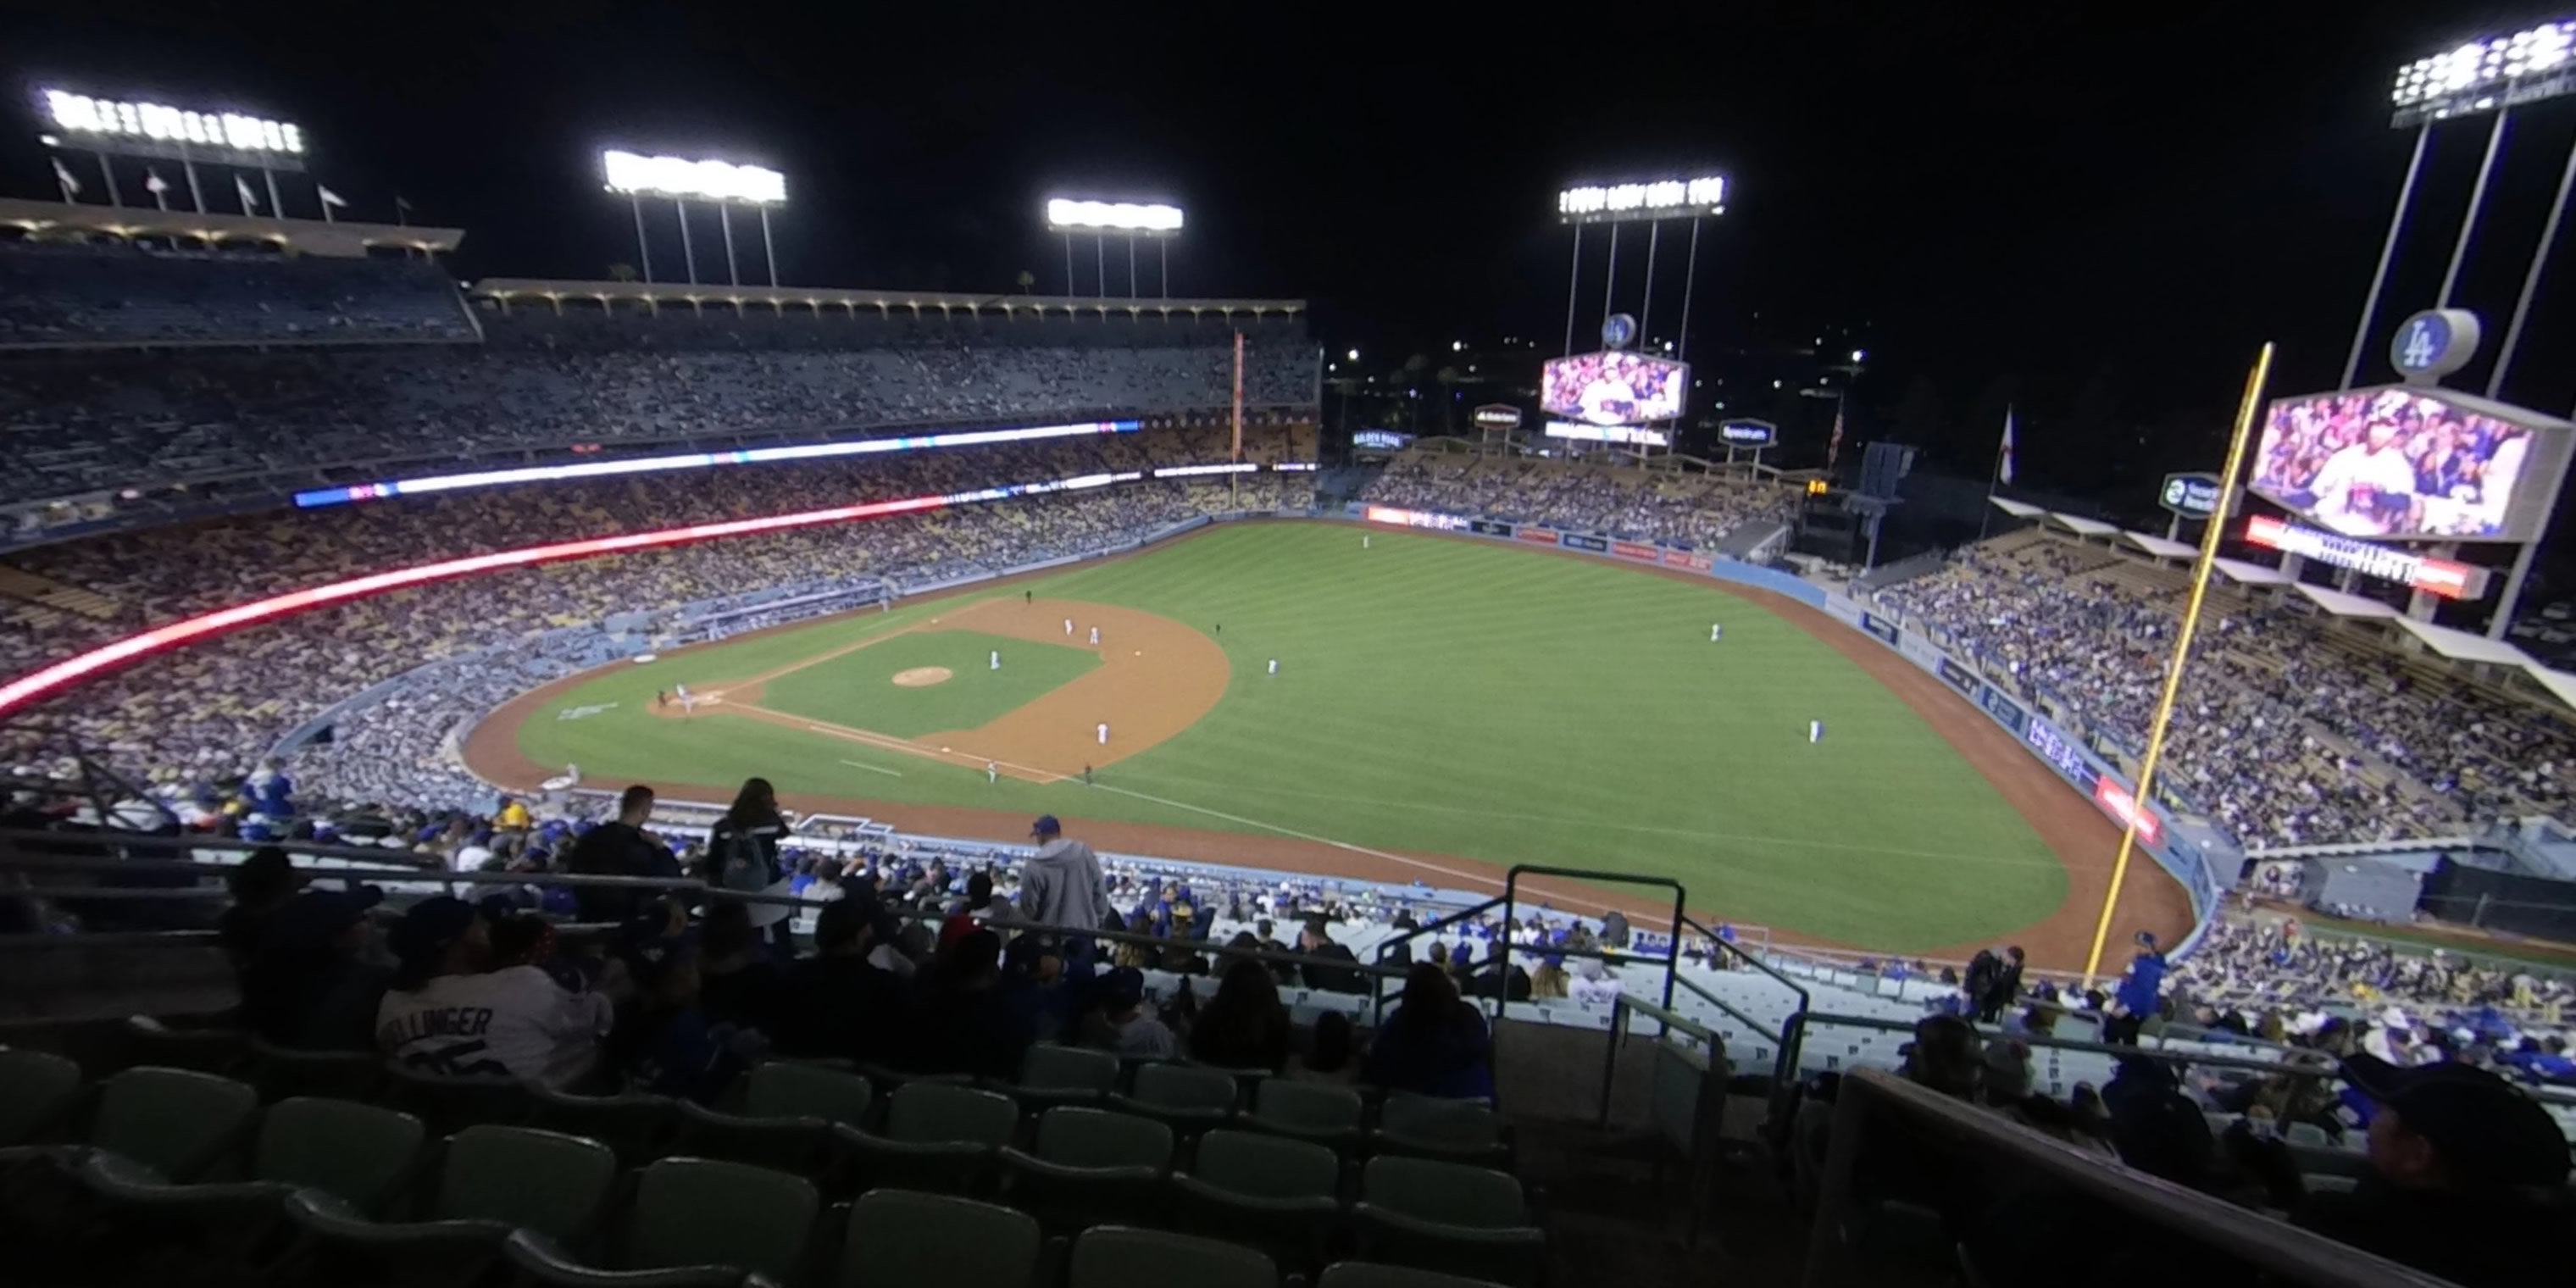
60 293
176 1162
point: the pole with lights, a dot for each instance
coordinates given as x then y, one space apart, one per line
150 131
1101 219
1649 203
722 183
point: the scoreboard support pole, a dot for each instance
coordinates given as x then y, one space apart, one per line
2209 539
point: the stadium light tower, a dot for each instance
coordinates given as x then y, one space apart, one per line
1650 202
2496 74
1157 221
724 183
156 131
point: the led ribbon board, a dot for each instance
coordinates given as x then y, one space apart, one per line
696 460
29 688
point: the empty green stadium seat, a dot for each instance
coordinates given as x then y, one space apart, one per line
695 1221
38 1091
1119 1257
786 1089
798 1144
1308 1110
173 1122
1268 1192
490 1181
938 1136
1190 1099
899 1239
1365 1274
1447 1216
357 1153
1458 1131
1053 1075
1089 1167
634 1127
147 1041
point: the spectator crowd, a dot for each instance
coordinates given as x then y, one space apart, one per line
2282 736
1669 508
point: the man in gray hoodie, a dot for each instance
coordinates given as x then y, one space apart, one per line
1062 886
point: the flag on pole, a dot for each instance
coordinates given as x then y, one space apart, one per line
62 176
329 200
1834 445
250 203
2003 457
153 182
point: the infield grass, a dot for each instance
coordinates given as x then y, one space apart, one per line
1448 697
856 689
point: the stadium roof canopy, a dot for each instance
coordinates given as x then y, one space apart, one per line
884 302
2237 570
345 238
2086 527
2017 509
2160 547
2465 646
2343 605
2560 683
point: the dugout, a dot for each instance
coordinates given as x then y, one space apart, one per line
2511 902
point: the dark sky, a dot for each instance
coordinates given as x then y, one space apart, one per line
2096 210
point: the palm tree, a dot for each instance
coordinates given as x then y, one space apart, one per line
1448 378
1028 281
621 272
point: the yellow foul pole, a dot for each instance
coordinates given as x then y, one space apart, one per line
2245 412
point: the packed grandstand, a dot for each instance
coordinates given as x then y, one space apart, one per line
291 374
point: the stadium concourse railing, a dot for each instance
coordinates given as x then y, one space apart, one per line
1873 1103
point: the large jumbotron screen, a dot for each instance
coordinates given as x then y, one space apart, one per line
2410 464
1613 388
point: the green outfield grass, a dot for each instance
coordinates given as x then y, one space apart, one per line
1452 697
854 689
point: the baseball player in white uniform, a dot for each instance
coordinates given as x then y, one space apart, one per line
992 772
1095 634
1815 731
1716 632
997 659
1274 666
1068 626
688 701
1104 733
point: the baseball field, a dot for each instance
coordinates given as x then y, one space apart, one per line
1442 707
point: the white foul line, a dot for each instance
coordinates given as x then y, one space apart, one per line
1477 877
873 769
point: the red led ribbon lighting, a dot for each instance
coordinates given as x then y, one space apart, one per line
29 688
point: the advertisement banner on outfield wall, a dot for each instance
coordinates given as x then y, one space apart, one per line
1490 527
2003 708
1878 626
1631 550
1414 518
2118 802
1578 541
1538 536
1960 677
1685 559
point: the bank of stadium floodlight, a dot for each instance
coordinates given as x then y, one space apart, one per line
1650 201
1104 219
2495 74
722 183
157 131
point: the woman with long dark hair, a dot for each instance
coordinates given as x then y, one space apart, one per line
1433 1044
1244 1026
742 856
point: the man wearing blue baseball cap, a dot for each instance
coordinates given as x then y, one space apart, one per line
1062 886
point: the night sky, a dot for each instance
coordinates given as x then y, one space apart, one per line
2097 220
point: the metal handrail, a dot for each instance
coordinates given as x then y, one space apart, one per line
1620 1009
1672 962
1785 1060
2276 1246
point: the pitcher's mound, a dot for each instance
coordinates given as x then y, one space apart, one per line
922 677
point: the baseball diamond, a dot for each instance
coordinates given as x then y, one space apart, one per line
1448 707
